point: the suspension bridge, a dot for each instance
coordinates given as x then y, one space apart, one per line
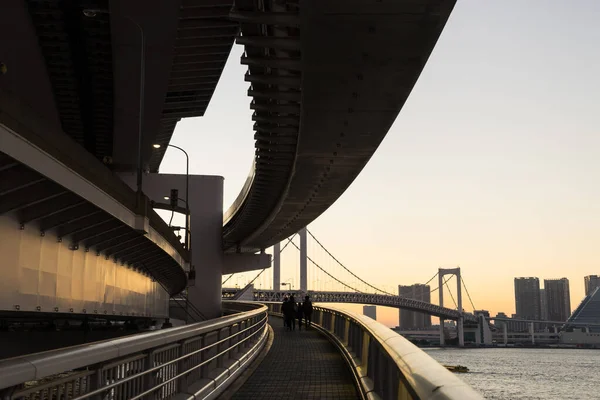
326 279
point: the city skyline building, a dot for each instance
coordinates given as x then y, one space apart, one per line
412 319
370 311
558 299
527 298
591 282
543 305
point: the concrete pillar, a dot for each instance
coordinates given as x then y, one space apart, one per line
459 323
505 333
532 332
277 266
303 260
206 222
478 333
441 294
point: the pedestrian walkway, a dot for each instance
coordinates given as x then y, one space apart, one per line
301 365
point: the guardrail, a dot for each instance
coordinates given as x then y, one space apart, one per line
194 360
386 365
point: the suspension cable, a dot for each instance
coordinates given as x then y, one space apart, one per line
272 260
447 279
343 266
230 276
331 276
451 296
467 290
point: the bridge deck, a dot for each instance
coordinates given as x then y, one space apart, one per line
300 365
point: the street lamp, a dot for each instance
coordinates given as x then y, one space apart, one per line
187 186
91 13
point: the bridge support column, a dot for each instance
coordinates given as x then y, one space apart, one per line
532 332
505 333
459 322
206 225
460 332
277 266
441 292
303 260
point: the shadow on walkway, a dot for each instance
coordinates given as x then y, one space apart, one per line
301 365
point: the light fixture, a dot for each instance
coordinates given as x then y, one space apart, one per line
156 146
90 13
167 198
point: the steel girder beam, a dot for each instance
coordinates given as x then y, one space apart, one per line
68 215
86 224
62 202
30 195
268 18
143 257
283 43
107 236
265 79
97 230
132 250
17 177
292 64
113 246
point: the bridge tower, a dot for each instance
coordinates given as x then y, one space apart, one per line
303 260
277 266
459 324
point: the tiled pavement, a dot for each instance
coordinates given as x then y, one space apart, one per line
301 365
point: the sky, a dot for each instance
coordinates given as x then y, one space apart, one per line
492 164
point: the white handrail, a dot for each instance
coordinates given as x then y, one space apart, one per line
16 371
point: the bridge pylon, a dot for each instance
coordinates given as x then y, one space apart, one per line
277 266
459 324
303 260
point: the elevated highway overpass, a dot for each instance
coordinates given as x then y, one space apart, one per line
327 79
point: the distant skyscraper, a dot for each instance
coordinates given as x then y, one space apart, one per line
591 283
527 298
412 319
370 311
543 306
558 299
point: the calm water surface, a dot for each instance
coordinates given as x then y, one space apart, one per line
513 374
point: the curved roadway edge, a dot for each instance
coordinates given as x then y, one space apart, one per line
359 63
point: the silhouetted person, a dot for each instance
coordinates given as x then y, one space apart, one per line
299 315
307 309
285 299
287 308
293 310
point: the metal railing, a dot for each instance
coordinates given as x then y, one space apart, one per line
363 298
386 365
194 360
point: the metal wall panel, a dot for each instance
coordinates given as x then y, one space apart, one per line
39 273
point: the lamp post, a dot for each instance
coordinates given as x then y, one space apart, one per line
91 13
187 186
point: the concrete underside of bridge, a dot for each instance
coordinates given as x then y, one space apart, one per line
82 74
328 78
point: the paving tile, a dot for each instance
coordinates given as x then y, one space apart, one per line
300 365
